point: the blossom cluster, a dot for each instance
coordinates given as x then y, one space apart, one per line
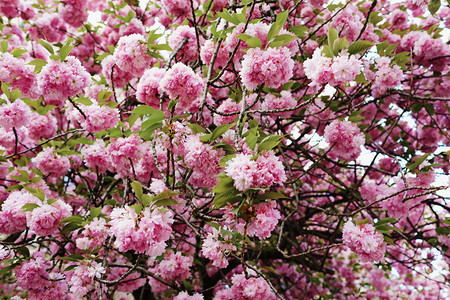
266 171
364 241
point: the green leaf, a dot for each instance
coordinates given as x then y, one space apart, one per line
375 17
95 212
51 201
160 47
65 50
359 46
18 52
7 269
412 166
222 199
386 229
73 219
153 36
24 174
47 46
73 257
298 30
196 128
434 6
143 110
172 104
281 40
429 108
361 78
327 51
137 208
24 251
251 140
146 200
228 17
339 44
364 221
224 184
137 187
156 117
381 47
69 227
83 100
416 107
111 202
277 25
226 147
220 130
271 195
165 194
443 230
4 46
269 142
332 35
252 41
386 221
147 134
205 138
165 202
103 96
388 240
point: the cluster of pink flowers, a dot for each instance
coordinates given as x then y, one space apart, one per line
188 51
93 235
339 70
21 75
74 12
348 22
428 51
149 89
181 82
49 27
82 278
272 67
207 51
216 248
131 55
284 102
12 218
145 233
253 288
44 220
99 118
42 126
386 77
362 239
32 276
114 75
178 8
203 160
227 106
51 163
96 156
397 206
123 152
15 114
60 80
265 171
265 219
174 267
345 139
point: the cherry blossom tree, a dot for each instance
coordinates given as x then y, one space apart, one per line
242 149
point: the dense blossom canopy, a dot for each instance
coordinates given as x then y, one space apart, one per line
242 149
